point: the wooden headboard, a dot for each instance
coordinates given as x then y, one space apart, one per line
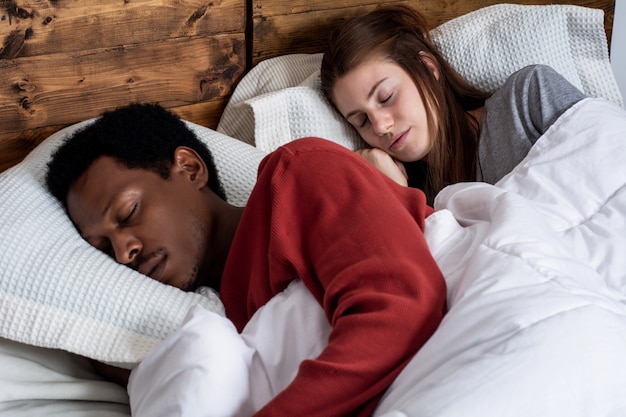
66 61
302 26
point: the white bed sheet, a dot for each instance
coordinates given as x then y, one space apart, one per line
537 320
42 382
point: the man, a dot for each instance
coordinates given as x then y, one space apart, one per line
138 185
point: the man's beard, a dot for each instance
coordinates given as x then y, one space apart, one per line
195 277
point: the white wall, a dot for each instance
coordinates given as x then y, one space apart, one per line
618 45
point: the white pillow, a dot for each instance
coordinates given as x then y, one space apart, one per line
488 45
281 100
57 291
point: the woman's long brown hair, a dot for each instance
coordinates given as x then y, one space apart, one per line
400 34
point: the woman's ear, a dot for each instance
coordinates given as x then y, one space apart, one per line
187 162
430 62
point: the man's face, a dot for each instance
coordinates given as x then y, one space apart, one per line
157 226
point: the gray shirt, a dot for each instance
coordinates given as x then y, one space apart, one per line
516 116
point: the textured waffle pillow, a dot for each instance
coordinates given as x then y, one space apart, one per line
489 44
57 291
281 100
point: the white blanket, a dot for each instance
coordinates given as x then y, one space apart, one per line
536 288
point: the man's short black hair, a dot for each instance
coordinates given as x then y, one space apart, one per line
142 136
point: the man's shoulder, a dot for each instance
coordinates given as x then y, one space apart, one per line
533 71
533 80
534 86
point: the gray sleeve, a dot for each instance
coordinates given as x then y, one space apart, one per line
518 114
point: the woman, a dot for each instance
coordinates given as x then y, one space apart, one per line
427 125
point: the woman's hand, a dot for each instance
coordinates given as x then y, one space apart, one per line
386 164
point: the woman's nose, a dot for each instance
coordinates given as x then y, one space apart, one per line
126 247
381 123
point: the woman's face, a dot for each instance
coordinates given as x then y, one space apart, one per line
382 102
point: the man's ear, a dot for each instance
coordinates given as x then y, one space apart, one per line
430 62
187 162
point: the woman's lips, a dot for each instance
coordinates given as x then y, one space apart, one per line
398 141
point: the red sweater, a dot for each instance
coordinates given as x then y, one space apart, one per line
322 213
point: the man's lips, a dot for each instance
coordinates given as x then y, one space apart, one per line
154 266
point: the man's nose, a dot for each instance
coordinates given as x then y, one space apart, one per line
126 247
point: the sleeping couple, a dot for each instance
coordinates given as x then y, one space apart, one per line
141 187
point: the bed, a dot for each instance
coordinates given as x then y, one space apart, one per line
534 264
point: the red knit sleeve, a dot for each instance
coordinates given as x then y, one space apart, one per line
355 239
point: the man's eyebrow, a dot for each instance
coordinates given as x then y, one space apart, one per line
369 95
107 207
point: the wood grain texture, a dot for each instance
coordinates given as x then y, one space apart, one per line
14 146
64 88
30 28
301 26
66 61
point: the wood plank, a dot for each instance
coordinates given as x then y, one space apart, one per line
14 146
29 28
205 114
440 10
60 89
283 26
66 61
298 32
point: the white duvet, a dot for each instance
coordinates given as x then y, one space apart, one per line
536 275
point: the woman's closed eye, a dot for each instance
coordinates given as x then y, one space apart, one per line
361 123
360 120
385 99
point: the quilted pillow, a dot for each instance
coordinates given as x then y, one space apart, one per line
57 291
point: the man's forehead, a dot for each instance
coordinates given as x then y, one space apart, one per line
97 186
